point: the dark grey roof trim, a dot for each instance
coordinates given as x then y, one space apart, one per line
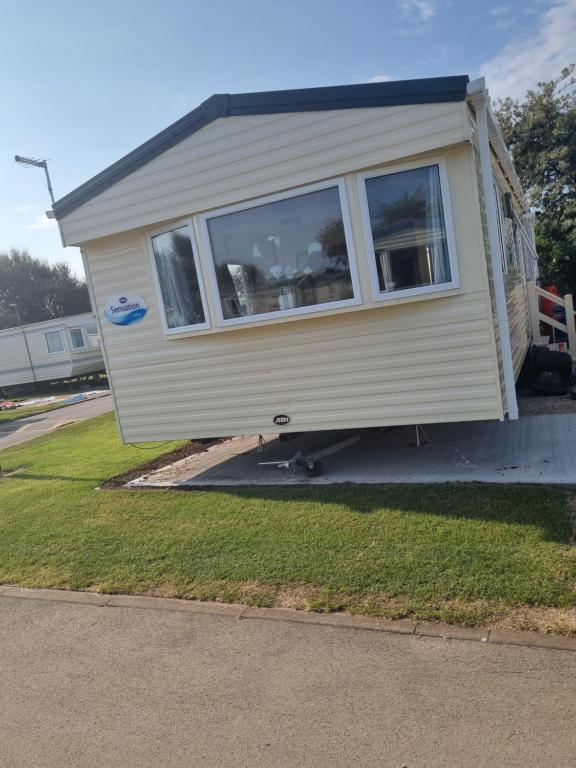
390 94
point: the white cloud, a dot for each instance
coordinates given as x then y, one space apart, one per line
500 10
24 208
42 222
424 9
380 79
535 57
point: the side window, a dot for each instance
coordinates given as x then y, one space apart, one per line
92 336
54 341
511 245
77 338
501 225
179 279
407 230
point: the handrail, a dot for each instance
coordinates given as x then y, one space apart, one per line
550 296
537 316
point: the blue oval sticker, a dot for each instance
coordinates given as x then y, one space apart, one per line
125 308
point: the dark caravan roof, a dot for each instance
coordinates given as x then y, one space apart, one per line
389 94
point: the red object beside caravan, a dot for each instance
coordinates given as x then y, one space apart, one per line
547 305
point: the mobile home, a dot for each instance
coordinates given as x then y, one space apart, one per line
50 350
326 258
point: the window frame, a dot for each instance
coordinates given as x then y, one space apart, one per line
500 221
72 345
264 317
90 336
206 325
421 290
56 351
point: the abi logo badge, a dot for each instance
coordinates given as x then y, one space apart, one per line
125 308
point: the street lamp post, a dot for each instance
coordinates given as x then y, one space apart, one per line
15 308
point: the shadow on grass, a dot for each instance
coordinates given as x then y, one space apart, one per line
540 507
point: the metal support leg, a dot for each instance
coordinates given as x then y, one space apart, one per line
419 441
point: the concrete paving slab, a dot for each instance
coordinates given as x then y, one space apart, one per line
535 449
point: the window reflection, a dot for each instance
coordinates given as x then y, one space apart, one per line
178 278
281 256
408 229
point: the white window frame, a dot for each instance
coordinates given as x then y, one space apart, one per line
297 311
58 351
91 336
84 344
181 328
420 290
500 221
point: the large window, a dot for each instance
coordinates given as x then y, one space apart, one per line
286 256
54 341
178 276
406 219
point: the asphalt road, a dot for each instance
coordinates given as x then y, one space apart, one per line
16 432
85 685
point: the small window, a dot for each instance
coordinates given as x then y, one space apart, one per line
500 218
54 341
178 276
286 256
92 336
408 232
77 338
510 246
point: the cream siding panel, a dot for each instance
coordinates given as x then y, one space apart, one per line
516 296
490 272
432 360
239 158
514 282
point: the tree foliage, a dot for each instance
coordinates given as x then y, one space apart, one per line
40 291
541 134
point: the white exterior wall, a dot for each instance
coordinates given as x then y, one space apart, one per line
514 279
515 287
15 363
408 361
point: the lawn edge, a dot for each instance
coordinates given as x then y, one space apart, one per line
341 620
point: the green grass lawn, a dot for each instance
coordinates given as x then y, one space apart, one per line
462 553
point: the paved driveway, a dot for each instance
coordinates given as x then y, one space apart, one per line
93 686
16 432
534 449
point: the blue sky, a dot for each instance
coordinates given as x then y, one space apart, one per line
83 82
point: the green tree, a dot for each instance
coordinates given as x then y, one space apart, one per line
541 134
40 291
